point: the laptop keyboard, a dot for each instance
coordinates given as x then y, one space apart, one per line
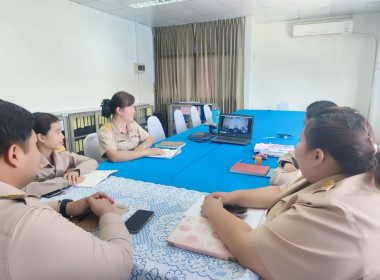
231 139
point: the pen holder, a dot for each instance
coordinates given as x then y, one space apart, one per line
258 160
212 128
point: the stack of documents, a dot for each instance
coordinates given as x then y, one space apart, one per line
169 153
272 150
171 144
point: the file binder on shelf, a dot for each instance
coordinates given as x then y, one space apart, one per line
77 124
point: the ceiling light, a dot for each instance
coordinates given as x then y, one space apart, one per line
154 3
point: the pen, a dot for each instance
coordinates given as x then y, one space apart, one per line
269 137
67 169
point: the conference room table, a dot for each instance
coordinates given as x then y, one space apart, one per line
205 166
169 187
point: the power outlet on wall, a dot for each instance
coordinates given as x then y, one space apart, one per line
139 67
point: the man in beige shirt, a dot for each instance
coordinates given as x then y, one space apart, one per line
36 242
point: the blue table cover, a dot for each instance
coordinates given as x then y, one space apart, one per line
205 166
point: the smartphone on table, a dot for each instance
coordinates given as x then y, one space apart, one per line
138 220
236 210
54 193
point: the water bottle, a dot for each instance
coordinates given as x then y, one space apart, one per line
215 113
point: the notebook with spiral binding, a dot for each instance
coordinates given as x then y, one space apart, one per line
250 169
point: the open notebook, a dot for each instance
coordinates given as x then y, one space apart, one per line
195 233
95 177
169 153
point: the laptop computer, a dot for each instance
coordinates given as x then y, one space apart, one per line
234 129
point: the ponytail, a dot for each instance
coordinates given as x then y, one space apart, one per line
119 99
106 108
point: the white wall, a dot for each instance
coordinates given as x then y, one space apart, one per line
303 70
59 55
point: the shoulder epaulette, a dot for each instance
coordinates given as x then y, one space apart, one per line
328 185
107 126
14 196
62 149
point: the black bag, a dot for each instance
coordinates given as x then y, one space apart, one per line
200 136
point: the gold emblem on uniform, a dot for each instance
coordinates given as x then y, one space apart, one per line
62 149
107 126
14 196
18 196
328 185
41 165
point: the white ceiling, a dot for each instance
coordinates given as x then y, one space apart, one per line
264 11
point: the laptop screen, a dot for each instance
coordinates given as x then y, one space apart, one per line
235 126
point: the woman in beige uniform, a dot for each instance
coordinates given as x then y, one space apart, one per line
58 169
288 170
36 242
122 139
326 224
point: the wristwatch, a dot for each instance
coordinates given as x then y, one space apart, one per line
62 207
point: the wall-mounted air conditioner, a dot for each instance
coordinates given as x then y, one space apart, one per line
323 28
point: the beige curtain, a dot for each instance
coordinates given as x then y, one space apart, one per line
220 63
174 64
200 62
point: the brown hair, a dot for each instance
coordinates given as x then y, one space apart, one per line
317 106
348 137
16 124
119 99
43 121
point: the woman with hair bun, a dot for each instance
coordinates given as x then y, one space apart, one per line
122 139
324 225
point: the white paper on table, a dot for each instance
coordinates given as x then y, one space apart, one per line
95 177
169 153
254 217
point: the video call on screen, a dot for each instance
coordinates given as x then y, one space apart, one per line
235 125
